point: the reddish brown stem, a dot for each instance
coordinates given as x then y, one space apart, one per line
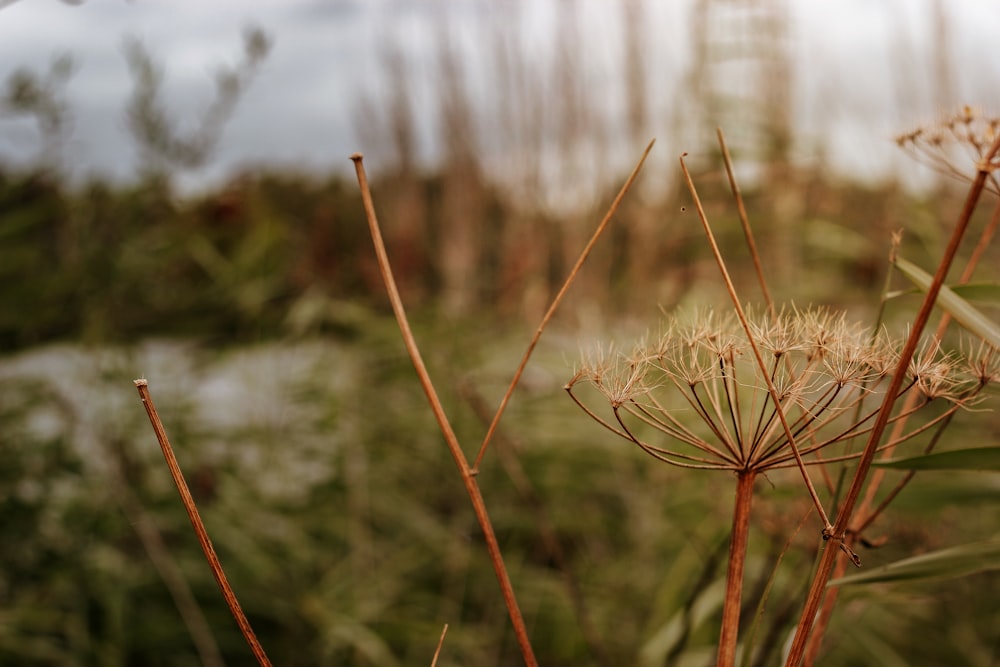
741 315
437 651
555 304
865 515
745 221
468 476
836 541
738 541
199 527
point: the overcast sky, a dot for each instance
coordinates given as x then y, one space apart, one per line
864 70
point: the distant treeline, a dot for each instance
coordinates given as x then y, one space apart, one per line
278 253
272 254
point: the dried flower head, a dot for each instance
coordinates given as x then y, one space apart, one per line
695 397
955 143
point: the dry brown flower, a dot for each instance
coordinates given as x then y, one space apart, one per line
693 397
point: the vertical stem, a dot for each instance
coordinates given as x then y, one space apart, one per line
741 314
826 610
199 526
738 540
437 651
468 476
836 539
864 512
745 222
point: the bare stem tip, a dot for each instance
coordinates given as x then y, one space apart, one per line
141 382
357 157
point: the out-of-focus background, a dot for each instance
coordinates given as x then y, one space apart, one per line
176 201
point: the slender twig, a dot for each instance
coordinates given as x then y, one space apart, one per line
772 390
895 491
508 457
199 527
437 651
556 301
468 477
826 562
745 221
865 515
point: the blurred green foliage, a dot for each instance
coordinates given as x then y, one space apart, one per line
346 532
109 265
272 254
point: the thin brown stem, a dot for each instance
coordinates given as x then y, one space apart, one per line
864 512
895 491
437 651
508 456
852 536
825 566
468 476
199 527
864 516
738 540
745 222
771 389
555 304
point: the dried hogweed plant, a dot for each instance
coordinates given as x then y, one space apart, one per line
949 144
829 375
973 136
694 397
750 393
738 392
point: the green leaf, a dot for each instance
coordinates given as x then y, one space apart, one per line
983 293
946 563
963 312
979 458
986 293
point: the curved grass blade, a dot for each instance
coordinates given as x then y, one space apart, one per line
963 312
978 458
945 563
985 293
982 293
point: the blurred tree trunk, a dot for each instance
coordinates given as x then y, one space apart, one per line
742 79
463 192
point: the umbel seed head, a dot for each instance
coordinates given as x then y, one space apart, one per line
695 395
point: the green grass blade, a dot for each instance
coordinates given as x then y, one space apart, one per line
979 458
985 293
946 563
963 312
982 293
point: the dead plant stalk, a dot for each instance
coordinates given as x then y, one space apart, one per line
744 491
865 515
199 527
828 556
468 472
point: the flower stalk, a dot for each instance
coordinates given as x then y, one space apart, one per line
827 559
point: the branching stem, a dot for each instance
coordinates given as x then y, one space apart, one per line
468 477
827 559
771 389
